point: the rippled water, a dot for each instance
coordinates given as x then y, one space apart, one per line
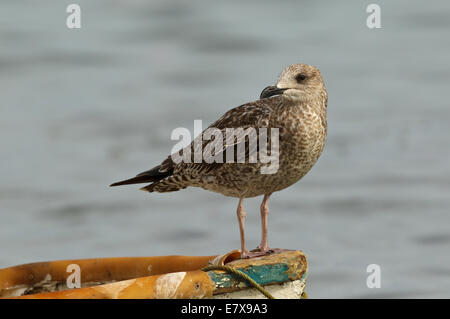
83 108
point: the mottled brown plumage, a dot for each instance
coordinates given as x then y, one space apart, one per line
296 106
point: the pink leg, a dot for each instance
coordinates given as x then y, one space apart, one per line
241 218
263 246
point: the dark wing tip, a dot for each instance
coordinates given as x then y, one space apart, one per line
150 176
134 180
115 184
126 182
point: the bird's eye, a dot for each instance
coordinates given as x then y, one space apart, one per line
300 78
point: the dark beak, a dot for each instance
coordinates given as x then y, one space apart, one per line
271 91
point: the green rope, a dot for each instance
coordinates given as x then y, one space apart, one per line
243 276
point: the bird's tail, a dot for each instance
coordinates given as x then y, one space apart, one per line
153 175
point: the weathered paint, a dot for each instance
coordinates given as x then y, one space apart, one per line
263 275
287 290
272 269
159 277
191 284
166 286
51 276
114 290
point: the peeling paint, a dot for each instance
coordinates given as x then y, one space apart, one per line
113 290
272 269
166 286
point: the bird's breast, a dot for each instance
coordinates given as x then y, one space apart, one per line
302 138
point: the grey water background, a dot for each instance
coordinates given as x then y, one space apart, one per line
83 108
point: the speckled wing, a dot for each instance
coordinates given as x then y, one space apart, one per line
255 115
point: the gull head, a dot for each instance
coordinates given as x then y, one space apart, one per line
297 82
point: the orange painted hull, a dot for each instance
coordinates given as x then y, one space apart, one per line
121 277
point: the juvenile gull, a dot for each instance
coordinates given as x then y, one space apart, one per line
296 106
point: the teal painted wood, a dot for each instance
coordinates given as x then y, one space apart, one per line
272 270
263 275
